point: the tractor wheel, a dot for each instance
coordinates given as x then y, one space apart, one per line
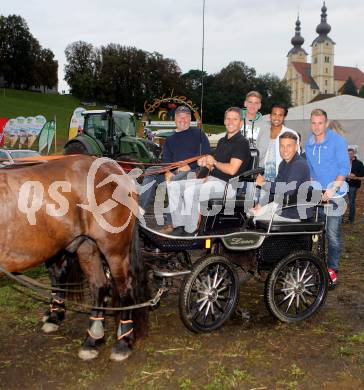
75 148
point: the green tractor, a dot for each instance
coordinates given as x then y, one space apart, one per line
108 133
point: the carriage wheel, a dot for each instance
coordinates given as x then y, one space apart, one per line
297 287
209 294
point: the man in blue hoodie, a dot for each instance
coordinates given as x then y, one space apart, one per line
327 157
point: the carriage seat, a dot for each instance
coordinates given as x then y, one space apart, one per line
290 227
239 201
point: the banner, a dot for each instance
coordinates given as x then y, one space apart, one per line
11 132
46 136
3 122
24 130
76 122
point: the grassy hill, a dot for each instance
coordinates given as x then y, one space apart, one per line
15 103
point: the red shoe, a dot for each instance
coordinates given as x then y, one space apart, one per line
333 277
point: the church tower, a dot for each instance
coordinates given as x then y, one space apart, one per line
297 53
322 62
296 56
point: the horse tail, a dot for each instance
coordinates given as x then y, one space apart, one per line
141 292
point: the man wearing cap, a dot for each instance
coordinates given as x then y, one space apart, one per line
232 158
185 143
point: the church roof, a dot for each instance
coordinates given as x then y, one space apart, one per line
304 69
344 72
341 73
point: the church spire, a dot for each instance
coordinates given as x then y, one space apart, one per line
323 28
297 41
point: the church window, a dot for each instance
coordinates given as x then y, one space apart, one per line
326 70
325 82
325 91
327 59
315 60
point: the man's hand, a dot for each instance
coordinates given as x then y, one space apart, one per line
352 176
260 180
184 168
201 162
255 210
168 176
210 160
328 194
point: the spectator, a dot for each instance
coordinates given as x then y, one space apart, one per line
292 169
356 172
185 143
328 160
253 122
268 142
232 158
337 127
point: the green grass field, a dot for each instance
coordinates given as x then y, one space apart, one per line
14 103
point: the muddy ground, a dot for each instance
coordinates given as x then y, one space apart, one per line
324 352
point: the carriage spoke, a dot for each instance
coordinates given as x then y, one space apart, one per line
290 302
208 281
222 289
215 276
202 299
285 299
310 277
304 272
219 306
203 304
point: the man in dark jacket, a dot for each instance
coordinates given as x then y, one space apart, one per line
185 143
292 173
357 171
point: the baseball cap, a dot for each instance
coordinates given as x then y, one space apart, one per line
183 109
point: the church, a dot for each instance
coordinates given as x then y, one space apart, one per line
322 78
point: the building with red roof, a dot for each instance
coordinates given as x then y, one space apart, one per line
321 78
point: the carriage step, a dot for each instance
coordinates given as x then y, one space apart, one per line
170 274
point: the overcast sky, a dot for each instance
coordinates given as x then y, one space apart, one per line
255 32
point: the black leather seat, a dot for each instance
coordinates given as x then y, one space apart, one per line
290 227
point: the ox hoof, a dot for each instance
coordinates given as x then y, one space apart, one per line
88 354
119 356
45 318
49 327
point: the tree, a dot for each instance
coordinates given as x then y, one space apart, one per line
361 91
81 72
23 61
273 90
45 67
15 51
349 88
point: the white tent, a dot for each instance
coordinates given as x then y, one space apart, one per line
349 110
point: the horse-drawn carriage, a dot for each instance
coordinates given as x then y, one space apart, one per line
231 247
99 229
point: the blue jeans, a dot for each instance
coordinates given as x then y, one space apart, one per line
333 236
352 198
152 181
